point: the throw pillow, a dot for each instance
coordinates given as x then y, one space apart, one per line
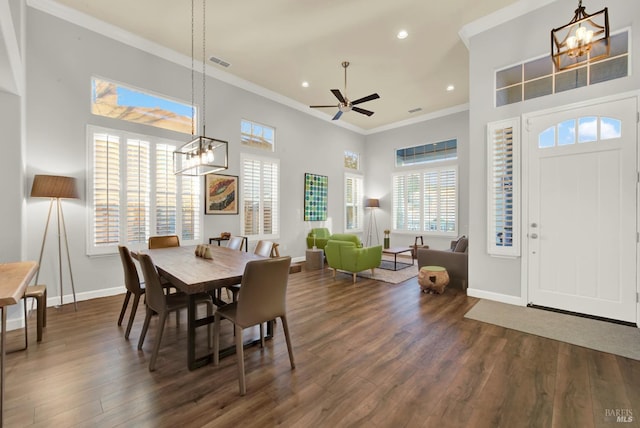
461 246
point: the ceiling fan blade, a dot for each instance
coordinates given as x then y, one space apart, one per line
338 95
365 99
333 106
363 111
337 116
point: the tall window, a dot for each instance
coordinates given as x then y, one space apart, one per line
353 196
260 197
503 163
257 135
426 201
134 194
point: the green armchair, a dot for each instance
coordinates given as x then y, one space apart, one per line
322 236
347 256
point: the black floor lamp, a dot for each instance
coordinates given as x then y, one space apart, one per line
372 204
56 187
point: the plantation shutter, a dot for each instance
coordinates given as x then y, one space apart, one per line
106 190
448 200
353 197
503 188
166 194
426 201
190 197
260 196
138 183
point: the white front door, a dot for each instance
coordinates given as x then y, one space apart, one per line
582 210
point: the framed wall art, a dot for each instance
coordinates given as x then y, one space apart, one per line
316 188
221 194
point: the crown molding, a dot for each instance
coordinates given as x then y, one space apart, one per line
421 118
500 16
116 33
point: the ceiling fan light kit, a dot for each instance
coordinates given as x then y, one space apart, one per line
345 105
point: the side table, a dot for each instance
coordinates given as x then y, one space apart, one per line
314 259
433 279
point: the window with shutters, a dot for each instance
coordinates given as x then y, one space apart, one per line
503 157
353 202
260 183
134 194
426 201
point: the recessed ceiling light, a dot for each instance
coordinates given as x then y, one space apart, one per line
450 88
402 34
305 84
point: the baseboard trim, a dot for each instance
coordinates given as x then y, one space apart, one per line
498 297
18 322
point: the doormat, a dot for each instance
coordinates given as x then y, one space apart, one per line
594 334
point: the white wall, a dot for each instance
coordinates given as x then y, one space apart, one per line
507 44
62 57
379 163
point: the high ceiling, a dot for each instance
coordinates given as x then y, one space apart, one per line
278 44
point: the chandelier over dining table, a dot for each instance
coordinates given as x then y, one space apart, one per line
201 155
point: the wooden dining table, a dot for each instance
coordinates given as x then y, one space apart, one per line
14 278
192 274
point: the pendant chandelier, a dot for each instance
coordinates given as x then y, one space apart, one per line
585 38
202 155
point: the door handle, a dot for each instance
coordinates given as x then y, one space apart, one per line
534 236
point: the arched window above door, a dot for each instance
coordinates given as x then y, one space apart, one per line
586 129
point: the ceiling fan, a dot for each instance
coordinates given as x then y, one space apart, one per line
345 105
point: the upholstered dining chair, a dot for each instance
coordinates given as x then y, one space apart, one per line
163 241
262 298
133 285
162 304
263 248
235 243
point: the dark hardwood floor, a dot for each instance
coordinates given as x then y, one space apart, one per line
369 355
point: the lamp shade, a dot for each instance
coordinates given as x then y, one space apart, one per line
54 186
372 203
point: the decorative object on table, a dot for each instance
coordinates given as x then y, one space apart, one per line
372 204
316 188
386 238
225 235
204 251
202 155
56 187
318 237
584 39
221 194
433 279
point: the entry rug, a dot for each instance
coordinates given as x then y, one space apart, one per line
594 334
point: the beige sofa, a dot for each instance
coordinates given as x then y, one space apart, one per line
455 260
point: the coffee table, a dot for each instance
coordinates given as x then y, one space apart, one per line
395 251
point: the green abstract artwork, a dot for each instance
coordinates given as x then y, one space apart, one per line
315 197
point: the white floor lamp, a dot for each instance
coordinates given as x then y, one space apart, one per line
56 187
372 204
